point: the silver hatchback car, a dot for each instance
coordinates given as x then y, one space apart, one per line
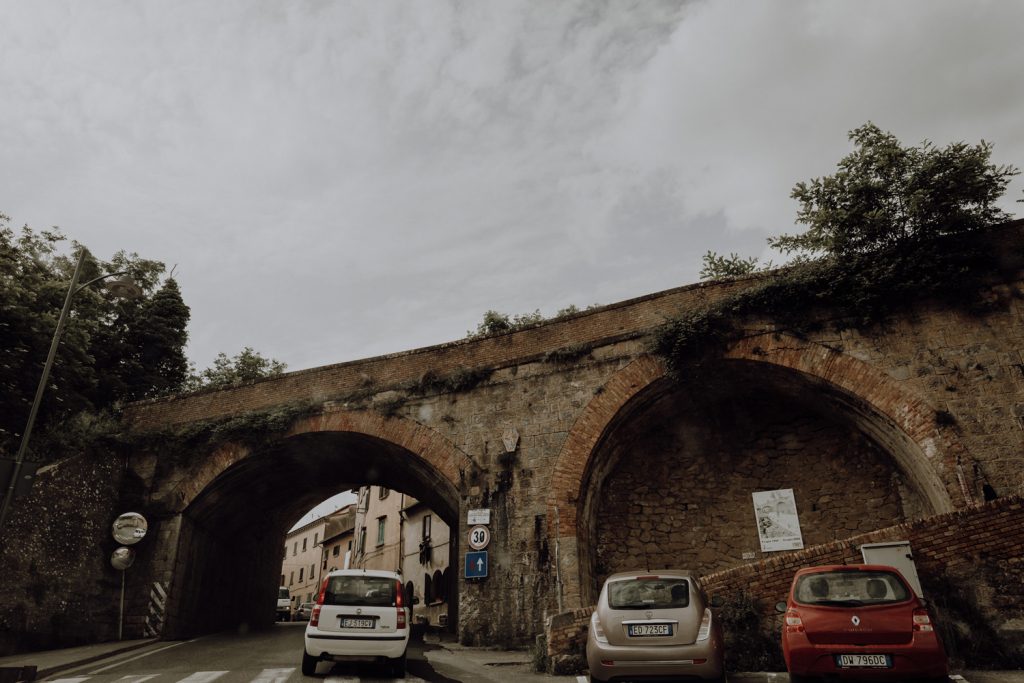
654 625
359 615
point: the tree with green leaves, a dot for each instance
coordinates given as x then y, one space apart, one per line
717 267
885 195
112 350
246 366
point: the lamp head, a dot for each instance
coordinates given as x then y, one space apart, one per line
123 288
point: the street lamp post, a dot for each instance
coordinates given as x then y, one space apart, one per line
124 288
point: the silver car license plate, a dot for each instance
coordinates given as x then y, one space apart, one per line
352 622
641 630
863 661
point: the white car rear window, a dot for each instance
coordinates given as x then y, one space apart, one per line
360 590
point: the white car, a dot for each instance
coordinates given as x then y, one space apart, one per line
359 615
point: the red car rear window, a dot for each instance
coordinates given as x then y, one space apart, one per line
850 588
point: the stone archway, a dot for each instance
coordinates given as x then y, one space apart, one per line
895 417
219 547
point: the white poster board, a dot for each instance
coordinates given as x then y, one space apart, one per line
778 525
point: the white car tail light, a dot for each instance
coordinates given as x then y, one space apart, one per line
704 632
922 620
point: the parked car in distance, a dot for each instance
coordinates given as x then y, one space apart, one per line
654 624
284 604
858 622
359 615
303 612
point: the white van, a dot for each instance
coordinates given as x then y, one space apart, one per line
284 604
359 615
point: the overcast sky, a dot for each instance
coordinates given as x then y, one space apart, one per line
338 180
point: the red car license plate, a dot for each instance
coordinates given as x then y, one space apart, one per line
860 661
351 622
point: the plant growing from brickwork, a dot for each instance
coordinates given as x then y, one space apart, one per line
752 641
892 228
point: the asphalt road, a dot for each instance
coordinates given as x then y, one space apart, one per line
272 656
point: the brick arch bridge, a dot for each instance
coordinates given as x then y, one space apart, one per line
609 462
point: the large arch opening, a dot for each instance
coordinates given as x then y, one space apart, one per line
669 481
231 538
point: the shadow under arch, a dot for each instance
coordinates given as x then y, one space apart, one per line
237 504
898 420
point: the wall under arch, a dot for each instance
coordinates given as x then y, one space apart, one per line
898 423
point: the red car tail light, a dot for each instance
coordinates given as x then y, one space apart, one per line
922 621
314 617
794 624
400 624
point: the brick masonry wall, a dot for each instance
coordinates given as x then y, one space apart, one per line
980 549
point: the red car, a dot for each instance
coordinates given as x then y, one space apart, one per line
858 621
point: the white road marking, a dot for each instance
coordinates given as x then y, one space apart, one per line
137 679
132 659
273 675
202 677
79 679
581 679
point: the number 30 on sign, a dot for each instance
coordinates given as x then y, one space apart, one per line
479 537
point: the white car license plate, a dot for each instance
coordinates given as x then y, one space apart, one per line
351 622
649 630
868 661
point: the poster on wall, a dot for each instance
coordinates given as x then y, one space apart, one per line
778 525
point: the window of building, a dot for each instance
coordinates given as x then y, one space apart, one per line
291 578
362 540
316 538
311 572
381 523
426 528
337 549
295 548
282 580
304 545
383 492
301 569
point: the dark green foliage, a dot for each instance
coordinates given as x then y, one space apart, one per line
752 641
884 195
894 227
247 366
966 632
112 350
460 380
568 354
718 267
499 323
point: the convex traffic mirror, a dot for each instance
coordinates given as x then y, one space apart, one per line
130 528
122 558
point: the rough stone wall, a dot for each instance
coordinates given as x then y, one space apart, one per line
54 562
975 552
680 496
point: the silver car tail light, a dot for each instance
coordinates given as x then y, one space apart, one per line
704 632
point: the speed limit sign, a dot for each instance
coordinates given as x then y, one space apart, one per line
479 537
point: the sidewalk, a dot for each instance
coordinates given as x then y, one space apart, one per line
18 667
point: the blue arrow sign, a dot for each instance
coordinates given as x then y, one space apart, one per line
476 565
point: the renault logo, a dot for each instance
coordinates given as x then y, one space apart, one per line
856 620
